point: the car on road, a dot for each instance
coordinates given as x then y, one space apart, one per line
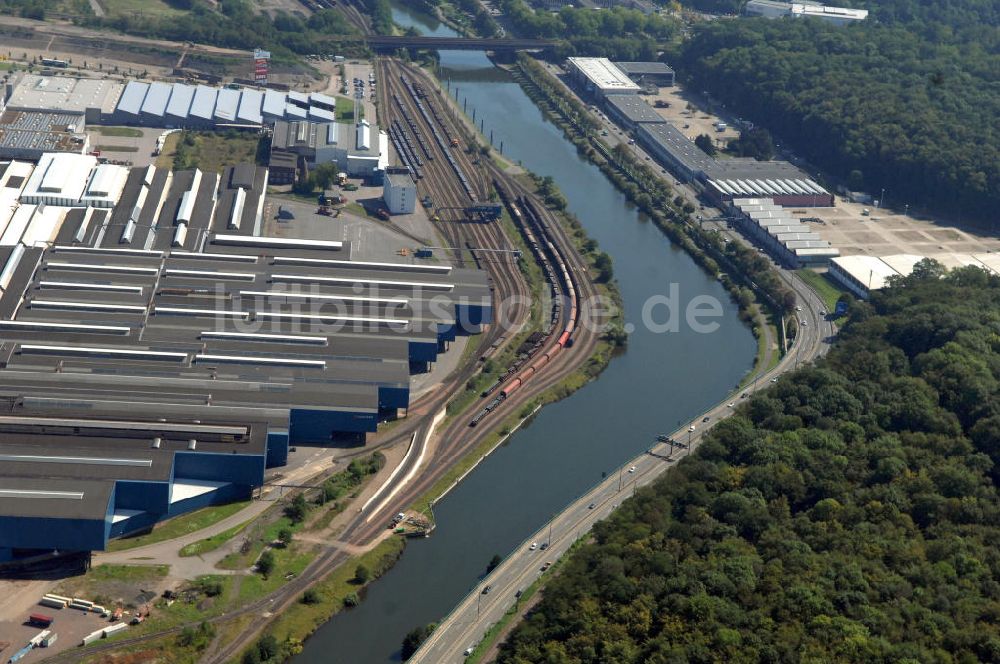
774 380
804 322
732 404
632 469
591 506
705 419
486 590
822 312
534 545
691 428
544 546
546 566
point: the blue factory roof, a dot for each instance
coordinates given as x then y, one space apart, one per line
180 100
226 105
203 104
250 103
131 99
156 98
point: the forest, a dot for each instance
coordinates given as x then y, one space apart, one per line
849 513
907 101
619 34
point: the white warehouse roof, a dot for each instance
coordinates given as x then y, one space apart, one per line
604 74
180 100
131 99
59 179
156 99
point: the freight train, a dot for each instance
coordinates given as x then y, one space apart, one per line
538 237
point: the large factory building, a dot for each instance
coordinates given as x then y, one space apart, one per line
161 353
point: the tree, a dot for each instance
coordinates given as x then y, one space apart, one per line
265 564
351 600
705 143
413 639
297 509
604 267
362 574
310 597
285 536
267 647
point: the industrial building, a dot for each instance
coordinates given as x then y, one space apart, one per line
863 274
724 180
30 134
780 181
399 192
671 147
643 73
182 105
834 15
91 99
630 111
160 353
791 242
358 149
600 77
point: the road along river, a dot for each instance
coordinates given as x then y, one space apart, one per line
664 378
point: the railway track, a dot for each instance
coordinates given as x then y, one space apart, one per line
457 438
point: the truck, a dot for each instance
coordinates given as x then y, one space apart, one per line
40 620
720 126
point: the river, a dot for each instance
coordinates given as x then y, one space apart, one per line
659 381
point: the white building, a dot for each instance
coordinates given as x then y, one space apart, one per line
74 180
399 193
600 76
774 9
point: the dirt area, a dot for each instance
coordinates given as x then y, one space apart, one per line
884 232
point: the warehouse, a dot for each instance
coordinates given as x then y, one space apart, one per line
600 77
785 184
863 274
676 151
30 134
791 242
833 15
92 99
630 111
357 149
72 482
643 73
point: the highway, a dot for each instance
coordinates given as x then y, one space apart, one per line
465 625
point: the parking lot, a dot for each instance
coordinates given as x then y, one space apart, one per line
885 232
134 144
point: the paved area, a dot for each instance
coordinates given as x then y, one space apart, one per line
70 624
135 150
883 232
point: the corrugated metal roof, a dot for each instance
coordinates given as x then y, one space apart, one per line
156 99
226 104
320 98
203 104
180 100
274 104
250 103
321 115
298 98
293 111
131 99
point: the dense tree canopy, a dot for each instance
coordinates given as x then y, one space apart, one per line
620 34
910 102
849 513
